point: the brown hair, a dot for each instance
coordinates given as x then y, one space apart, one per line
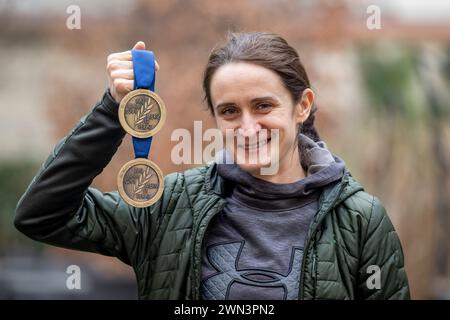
270 51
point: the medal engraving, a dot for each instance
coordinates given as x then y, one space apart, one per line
140 182
142 113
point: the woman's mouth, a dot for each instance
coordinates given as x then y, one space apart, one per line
255 146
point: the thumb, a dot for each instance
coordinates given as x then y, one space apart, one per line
140 45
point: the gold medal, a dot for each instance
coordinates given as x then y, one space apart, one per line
140 182
142 113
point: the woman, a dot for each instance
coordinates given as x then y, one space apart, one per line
227 231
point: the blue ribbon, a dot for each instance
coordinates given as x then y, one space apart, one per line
144 78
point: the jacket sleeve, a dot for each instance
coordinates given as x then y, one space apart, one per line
381 272
59 207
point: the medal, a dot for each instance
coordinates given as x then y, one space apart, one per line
140 182
142 114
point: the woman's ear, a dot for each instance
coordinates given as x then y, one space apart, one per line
303 107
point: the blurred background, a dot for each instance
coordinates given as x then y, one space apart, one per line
382 91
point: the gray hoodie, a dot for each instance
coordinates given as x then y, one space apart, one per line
253 249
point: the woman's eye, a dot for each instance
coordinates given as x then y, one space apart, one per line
228 111
263 106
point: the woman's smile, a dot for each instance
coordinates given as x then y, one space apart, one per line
254 144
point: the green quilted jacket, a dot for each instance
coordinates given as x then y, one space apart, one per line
349 235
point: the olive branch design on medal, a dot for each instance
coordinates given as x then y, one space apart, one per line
143 179
143 111
132 115
133 182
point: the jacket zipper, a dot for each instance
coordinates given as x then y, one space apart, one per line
305 253
314 275
197 253
308 243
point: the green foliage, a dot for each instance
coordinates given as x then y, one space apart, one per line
391 81
14 179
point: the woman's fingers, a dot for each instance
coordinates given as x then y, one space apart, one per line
126 58
123 86
114 65
140 45
119 66
123 74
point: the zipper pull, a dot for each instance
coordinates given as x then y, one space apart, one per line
314 265
314 277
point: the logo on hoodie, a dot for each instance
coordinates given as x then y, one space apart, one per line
224 258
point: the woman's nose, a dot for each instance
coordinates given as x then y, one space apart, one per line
249 127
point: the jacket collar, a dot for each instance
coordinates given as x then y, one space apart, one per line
214 183
332 195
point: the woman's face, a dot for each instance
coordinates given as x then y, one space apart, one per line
248 98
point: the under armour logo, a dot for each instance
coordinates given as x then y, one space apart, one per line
224 258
